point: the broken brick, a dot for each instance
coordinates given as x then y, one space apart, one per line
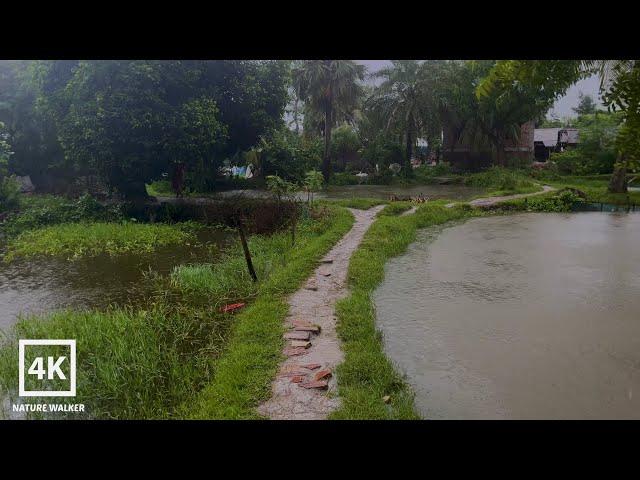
297 379
320 384
325 373
294 351
300 343
307 328
297 335
311 366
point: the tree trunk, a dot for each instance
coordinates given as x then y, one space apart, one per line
295 115
247 254
618 182
326 161
409 152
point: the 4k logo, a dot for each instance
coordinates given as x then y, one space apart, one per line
48 367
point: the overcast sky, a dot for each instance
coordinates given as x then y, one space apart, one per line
562 107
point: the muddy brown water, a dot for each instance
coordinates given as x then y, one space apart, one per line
531 316
43 284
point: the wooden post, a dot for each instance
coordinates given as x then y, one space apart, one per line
247 254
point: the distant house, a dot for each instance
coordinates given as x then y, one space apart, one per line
548 140
462 153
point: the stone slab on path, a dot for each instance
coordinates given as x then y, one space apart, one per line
308 400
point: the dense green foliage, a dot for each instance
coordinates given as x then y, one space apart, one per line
129 121
41 210
502 181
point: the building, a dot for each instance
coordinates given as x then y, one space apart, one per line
548 140
463 154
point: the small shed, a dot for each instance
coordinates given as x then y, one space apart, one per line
548 140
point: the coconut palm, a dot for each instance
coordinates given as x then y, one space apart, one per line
405 99
329 87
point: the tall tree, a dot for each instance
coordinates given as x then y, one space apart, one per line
329 87
620 89
400 98
516 91
586 105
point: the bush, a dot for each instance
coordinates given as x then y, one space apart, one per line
503 180
42 210
561 201
344 178
289 155
9 194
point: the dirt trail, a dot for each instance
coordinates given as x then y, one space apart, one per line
315 303
488 201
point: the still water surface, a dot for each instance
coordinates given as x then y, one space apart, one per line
48 283
530 316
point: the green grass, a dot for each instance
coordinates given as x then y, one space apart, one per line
244 372
396 208
89 239
37 211
358 203
500 181
366 375
596 189
130 364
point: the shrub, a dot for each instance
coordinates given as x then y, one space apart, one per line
502 179
344 178
42 210
9 194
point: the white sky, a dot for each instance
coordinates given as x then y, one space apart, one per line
562 107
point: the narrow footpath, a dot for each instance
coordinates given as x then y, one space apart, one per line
305 387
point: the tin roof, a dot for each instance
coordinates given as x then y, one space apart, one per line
548 136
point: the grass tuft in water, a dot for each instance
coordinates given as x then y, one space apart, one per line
90 239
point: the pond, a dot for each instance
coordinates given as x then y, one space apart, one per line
531 316
48 283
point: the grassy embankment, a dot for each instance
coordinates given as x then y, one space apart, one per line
243 374
180 356
366 375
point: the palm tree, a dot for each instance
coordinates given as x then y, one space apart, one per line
405 99
329 87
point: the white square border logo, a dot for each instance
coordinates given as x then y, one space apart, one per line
47 393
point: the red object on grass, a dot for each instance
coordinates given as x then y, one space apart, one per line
232 308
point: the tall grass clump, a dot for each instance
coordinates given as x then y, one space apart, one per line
89 239
366 375
130 364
